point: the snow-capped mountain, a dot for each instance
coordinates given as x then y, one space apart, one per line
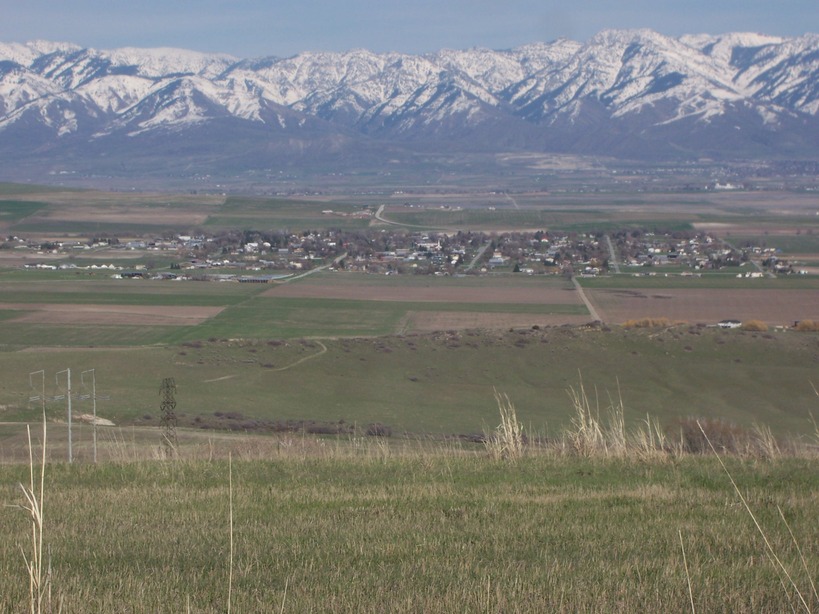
627 93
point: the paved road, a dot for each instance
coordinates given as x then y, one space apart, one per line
316 270
477 257
379 215
514 202
613 259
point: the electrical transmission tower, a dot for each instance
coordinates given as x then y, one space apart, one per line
168 416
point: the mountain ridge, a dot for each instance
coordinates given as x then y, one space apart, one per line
623 93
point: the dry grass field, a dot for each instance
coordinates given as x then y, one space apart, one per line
775 307
430 321
107 315
486 290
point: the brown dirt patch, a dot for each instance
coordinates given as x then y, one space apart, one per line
709 305
127 215
533 296
428 321
158 315
726 229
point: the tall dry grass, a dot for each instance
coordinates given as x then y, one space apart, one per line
594 432
34 494
651 323
507 441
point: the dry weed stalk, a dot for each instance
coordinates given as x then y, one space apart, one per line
765 444
507 442
687 575
650 440
588 436
38 576
815 426
230 513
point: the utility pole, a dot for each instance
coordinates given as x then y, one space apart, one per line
41 396
68 399
93 404
168 418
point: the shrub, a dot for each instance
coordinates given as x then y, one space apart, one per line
807 326
755 326
379 430
647 323
725 436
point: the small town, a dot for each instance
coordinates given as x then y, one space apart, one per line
265 256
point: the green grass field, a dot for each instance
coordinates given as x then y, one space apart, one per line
363 528
295 215
575 220
439 382
443 383
123 291
14 210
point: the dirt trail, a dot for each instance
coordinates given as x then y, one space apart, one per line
592 311
323 350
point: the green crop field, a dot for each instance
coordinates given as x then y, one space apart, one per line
293 215
15 210
123 292
288 318
17 335
250 310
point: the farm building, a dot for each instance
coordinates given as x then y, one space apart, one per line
729 324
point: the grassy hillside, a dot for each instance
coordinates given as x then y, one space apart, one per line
368 530
443 382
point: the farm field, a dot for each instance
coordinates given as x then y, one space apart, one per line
75 310
97 311
54 212
367 527
774 307
420 353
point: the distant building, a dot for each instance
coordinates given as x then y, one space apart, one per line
729 324
497 259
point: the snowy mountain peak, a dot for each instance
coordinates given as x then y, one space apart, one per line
623 91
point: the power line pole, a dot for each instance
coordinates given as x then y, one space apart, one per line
93 404
168 417
68 399
41 396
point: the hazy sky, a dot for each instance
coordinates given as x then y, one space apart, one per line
251 28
